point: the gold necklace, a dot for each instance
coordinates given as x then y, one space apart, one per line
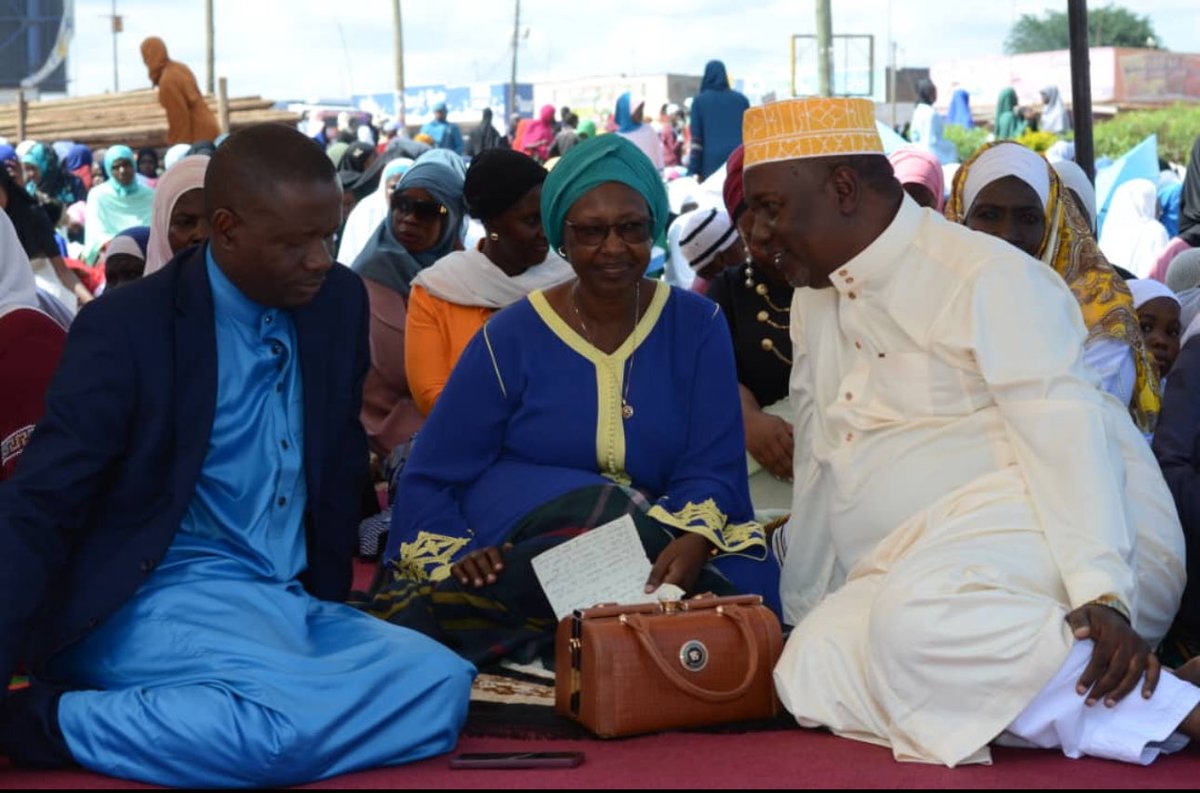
769 346
626 408
764 316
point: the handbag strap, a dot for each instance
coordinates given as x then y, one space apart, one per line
637 623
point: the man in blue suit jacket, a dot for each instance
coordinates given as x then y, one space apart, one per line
178 534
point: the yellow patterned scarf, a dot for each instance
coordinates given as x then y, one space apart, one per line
1107 305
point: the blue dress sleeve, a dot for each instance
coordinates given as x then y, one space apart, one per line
461 439
709 492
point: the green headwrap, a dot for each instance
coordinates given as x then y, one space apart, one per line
608 158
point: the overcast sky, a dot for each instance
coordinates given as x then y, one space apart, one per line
300 49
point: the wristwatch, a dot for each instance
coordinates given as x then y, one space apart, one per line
1115 603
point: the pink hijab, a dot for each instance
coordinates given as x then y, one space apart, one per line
185 175
540 134
917 166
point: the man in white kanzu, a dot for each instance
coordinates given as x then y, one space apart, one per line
982 547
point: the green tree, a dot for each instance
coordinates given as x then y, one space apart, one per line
1111 26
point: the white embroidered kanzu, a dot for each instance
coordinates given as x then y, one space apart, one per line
961 484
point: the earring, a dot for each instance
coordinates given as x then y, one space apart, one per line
561 251
749 273
494 237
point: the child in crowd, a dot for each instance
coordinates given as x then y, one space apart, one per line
1158 314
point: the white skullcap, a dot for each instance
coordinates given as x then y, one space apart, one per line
1147 289
705 234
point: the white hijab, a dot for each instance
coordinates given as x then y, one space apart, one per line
17 287
1055 117
1073 178
1007 159
469 278
186 175
1131 236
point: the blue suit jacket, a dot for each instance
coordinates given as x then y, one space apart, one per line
100 491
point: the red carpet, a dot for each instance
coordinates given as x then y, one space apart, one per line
786 758
789 759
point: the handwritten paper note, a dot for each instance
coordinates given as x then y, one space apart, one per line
604 565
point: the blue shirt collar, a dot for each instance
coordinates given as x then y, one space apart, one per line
228 300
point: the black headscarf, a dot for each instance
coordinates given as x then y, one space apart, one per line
925 91
1189 210
31 221
485 137
357 157
147 151
497 179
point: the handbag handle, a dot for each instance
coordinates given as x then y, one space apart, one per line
636 622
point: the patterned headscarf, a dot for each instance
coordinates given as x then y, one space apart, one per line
1068 247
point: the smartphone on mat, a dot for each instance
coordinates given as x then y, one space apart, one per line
517 760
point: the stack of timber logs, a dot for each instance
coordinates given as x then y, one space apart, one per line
131 117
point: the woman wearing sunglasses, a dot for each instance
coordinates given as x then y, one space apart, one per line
424 223
604 396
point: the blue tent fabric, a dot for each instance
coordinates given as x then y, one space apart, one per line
1140 162
892 139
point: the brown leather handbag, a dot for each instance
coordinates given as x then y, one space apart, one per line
624 670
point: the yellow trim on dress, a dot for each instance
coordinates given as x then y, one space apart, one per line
610 376
707 519
428 557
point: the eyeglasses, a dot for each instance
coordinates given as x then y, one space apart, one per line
631 231
421 210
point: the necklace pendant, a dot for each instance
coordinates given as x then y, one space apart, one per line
626 410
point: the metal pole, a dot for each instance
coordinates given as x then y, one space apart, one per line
398 52
115 28
22 110
892 85
1081 87
793 66
223 104
209 58
512 83
824 49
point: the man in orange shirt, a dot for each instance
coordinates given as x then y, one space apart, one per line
188 118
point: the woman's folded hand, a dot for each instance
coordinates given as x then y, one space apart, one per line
680 562
480 567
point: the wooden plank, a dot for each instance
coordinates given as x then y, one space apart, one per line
131 117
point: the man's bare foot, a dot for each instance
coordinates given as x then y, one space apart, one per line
1190 672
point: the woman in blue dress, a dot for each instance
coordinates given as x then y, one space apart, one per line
606 395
